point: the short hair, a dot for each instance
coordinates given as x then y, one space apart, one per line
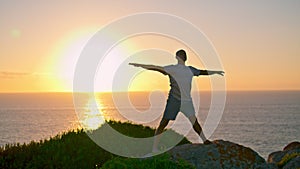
181 54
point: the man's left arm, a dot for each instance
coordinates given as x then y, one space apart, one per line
198 72
212 72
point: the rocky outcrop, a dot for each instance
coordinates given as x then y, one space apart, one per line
218 155
288 158
227 155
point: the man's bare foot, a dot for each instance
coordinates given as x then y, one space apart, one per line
151 154
207 142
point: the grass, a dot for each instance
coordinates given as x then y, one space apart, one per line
73 149
161 161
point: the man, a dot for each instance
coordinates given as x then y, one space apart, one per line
179 98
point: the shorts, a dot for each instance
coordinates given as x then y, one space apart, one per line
174 106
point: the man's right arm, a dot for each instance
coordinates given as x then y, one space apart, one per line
150 67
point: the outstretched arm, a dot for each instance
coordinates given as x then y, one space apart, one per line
150 67
211 72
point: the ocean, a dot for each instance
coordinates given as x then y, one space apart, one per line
265 121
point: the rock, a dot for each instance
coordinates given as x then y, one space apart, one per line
275 157
265 166
201 156
293 163
288 158
219 155
292 145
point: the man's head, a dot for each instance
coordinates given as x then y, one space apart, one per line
181 54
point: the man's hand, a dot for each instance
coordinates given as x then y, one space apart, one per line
220 73
135 64
211 72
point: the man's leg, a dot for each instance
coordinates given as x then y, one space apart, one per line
198 129
162 125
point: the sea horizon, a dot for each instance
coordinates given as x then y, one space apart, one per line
137 91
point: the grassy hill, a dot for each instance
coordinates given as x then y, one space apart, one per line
74 149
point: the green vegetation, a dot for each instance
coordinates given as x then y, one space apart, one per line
75 149
161 161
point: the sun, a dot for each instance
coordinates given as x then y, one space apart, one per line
65 55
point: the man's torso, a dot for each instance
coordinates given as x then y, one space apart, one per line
181 80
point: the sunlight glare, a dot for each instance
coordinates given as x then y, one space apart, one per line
67 52
93 117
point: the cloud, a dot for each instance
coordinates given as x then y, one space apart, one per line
17 75
13 75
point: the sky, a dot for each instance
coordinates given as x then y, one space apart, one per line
41 41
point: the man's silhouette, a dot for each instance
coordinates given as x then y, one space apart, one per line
179 98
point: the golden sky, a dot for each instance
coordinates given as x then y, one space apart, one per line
257 42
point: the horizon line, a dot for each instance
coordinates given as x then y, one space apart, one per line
147 91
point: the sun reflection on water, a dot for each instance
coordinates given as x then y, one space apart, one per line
93 118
